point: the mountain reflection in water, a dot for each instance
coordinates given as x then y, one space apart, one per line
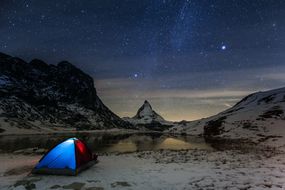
107 142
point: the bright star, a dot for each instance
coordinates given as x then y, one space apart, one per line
224 47
136 75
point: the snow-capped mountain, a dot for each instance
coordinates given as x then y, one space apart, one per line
36 96
259 117
146 114
148 118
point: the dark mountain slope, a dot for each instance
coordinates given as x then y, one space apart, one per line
35 95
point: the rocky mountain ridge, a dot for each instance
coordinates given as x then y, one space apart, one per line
36 96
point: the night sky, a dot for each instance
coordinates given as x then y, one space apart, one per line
190 59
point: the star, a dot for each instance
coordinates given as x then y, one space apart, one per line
161 46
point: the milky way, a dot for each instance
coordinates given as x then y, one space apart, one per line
190 59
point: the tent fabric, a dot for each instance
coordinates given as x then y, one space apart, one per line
67 158
62 156
83 154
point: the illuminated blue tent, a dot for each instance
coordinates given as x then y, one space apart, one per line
67 158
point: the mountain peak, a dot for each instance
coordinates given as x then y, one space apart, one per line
145 112
145 109
39 64
66 65
146 117
146 104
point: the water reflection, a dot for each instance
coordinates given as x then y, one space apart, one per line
171 143
107 142
122 147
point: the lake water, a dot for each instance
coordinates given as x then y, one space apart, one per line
106 142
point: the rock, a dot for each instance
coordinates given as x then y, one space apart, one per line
55 187
120 183
94 188
74 186
27 183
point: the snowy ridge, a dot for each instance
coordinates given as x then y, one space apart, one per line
254 100
259 117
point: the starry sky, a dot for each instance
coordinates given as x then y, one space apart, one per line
189 58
